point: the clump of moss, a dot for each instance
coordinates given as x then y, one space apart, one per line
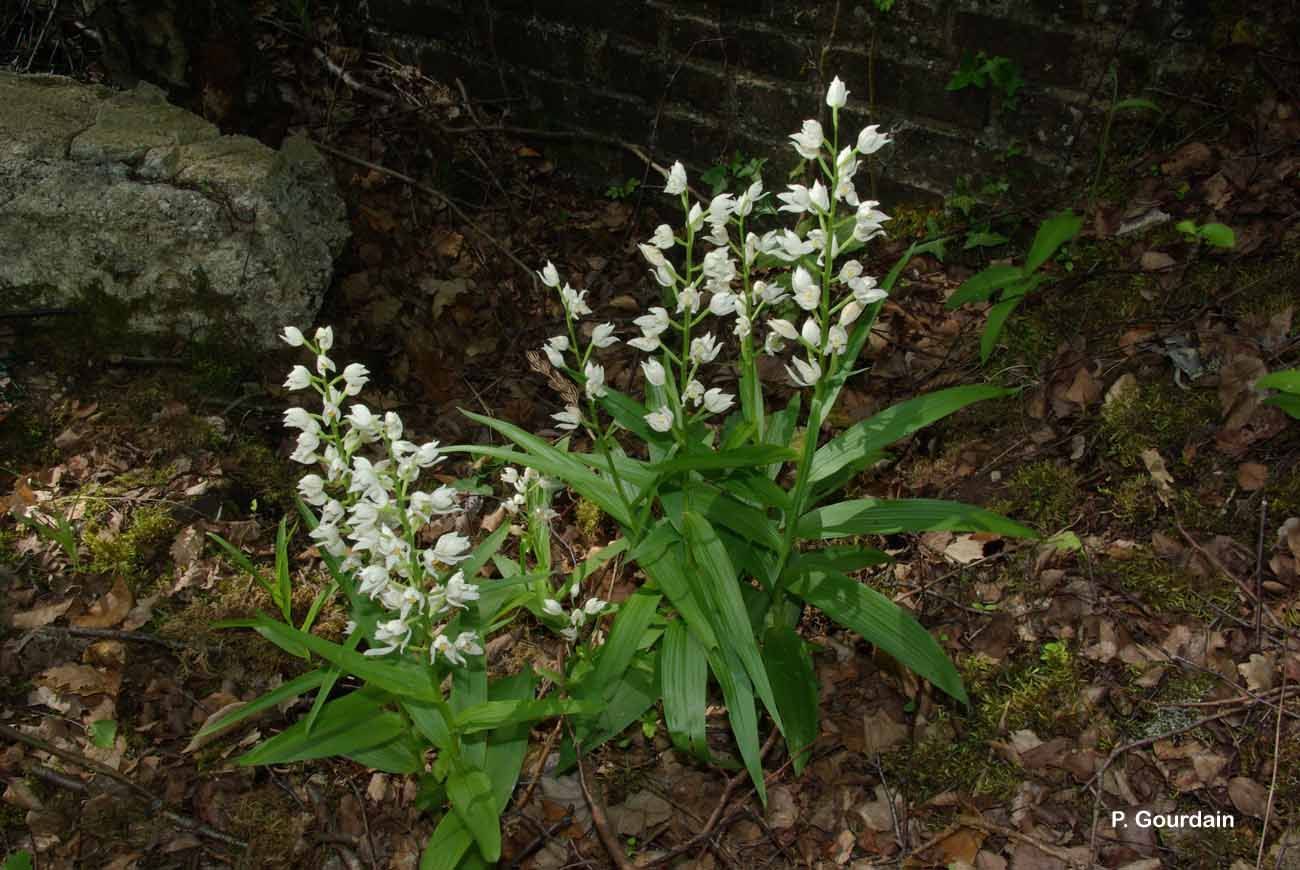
1156 416
267 822
128 552
1164 588
254 467
1044 493
1213 848
1043 696
589 517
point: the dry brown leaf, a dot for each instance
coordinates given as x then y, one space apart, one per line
1156 261
109 610
881 732
1124 385
187 547
39 617
1164 481
1258 671
1085 389
1249 797
197 742
1190 157
965 549
782 811
1252 476
79 680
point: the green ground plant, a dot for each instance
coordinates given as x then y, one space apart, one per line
732 510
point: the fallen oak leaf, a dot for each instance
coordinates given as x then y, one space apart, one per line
109 610
1164 481
1251 476
39 617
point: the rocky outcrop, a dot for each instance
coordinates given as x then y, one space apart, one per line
125 207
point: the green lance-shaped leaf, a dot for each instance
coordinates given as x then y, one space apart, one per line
1052 233
789 668
470 791
683 677
869 516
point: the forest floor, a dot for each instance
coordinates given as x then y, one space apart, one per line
1147 659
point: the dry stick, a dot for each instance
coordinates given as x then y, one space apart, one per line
1259 576
537 767
365 821
1272 786
155 804
1138 744
111 634
1241 584
598 819
716 817
436 194
1012 834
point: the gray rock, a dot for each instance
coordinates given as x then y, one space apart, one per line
143 215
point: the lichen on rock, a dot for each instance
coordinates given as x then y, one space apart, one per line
121 197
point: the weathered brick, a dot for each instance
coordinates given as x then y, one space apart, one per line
632 19
769 110
418 17
561 50
702 87
921 91
637 70
684 133
773 53
1044 55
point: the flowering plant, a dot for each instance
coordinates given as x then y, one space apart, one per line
417 605
715 506
714 495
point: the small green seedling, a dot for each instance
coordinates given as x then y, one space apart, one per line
1015 282
617 192
1287 384
1218 235
981 70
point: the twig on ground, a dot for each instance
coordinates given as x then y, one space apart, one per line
111 634
537 767
436 194
63 781
599 820
1223 569
365 822
1118 751
1012 834
1259 576
1272 786
716 820
539 841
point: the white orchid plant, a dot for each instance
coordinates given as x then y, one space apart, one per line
711 493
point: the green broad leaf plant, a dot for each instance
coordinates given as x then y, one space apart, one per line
1011 284
727 506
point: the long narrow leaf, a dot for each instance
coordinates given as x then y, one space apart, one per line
716 583
869 437
869 516
683 679
741 457
624 638
789 669
997 318
982 285
352 723
470 792
660 556
882 622
738 692
286 692
449 843
403 678
1052 233
497 714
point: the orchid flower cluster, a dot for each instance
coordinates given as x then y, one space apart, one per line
529 499
719 283
372 513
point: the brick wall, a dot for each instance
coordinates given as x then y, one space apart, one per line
697 80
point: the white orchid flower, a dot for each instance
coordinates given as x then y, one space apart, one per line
293 336
704 349
837 95
811 333
804 374
447 648
595 380
654 372
694 392
355 377
807 293
676 180
655 322
549 275
299 378
663 237
325 338
660 420
783 328
716 401
555 347
603 335
850 313
808 141
569 418
837 339
575 301
870 140
451 548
